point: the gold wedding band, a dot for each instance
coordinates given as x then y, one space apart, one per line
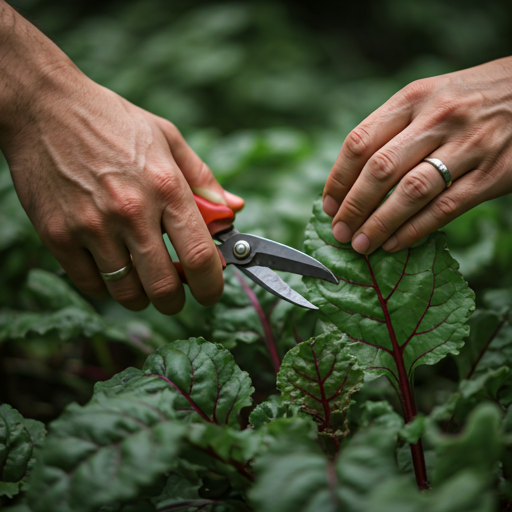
118 274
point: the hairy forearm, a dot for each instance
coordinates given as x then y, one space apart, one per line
31 69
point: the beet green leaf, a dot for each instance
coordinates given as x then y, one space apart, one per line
18 438
400 310
319 376
204 376
105 452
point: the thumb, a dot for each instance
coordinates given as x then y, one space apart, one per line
196 172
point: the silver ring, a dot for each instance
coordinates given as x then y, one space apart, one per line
118 274
443 170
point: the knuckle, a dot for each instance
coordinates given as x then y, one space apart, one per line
128 207
381 167
128 295
352 207
413 233
444 207
357 142
168 186
336 180
418 90
56 233
90 225
416 187
164 288
172 132
380 224
201 257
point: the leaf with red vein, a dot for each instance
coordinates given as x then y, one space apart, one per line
204 376
319 376
401 309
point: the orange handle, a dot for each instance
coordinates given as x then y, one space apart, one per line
217 217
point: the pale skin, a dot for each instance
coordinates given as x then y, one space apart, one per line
464 119
101 179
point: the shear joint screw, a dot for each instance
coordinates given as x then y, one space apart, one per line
241 249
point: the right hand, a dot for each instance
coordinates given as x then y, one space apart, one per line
100 179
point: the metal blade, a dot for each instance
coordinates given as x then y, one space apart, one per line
267 253
271 282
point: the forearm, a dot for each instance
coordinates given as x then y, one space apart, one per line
30 69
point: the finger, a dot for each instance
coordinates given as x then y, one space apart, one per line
380 174
195 248
361 143
112 255
196 172
415 190
465 193
156 271
79 265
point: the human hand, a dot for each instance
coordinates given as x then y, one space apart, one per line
464 119
101 179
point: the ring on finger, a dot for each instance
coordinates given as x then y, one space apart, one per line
118 274
443 170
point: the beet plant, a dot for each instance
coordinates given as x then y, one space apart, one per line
193 430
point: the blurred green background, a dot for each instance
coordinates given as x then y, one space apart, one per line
265 92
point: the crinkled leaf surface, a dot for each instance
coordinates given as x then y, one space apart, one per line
319 376
204 375
105 452
273 408
18 438
401 309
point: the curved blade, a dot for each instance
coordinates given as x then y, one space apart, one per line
267 253
271 282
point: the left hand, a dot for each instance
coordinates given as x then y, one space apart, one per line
462 118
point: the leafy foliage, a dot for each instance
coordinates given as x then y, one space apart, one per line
318 375
18 439
266 102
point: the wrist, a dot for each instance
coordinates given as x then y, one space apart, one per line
34 72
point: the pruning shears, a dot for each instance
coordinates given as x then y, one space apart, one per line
258 257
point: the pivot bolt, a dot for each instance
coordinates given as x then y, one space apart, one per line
241 249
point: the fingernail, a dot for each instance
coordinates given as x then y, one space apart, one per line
210 195
390 244
341 232
234 202
330 206
361 243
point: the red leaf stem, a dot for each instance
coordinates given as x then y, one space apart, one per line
186 396
267 329
406 393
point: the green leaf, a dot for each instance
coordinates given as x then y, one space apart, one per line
366 462
105 452
204 376
294 478
489 344
400 310
273 408
319 376
53 292
477 447
18 438
67 323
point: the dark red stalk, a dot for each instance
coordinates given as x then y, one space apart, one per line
406 392
267 329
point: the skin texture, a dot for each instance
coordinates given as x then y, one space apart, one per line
101 179
462 118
